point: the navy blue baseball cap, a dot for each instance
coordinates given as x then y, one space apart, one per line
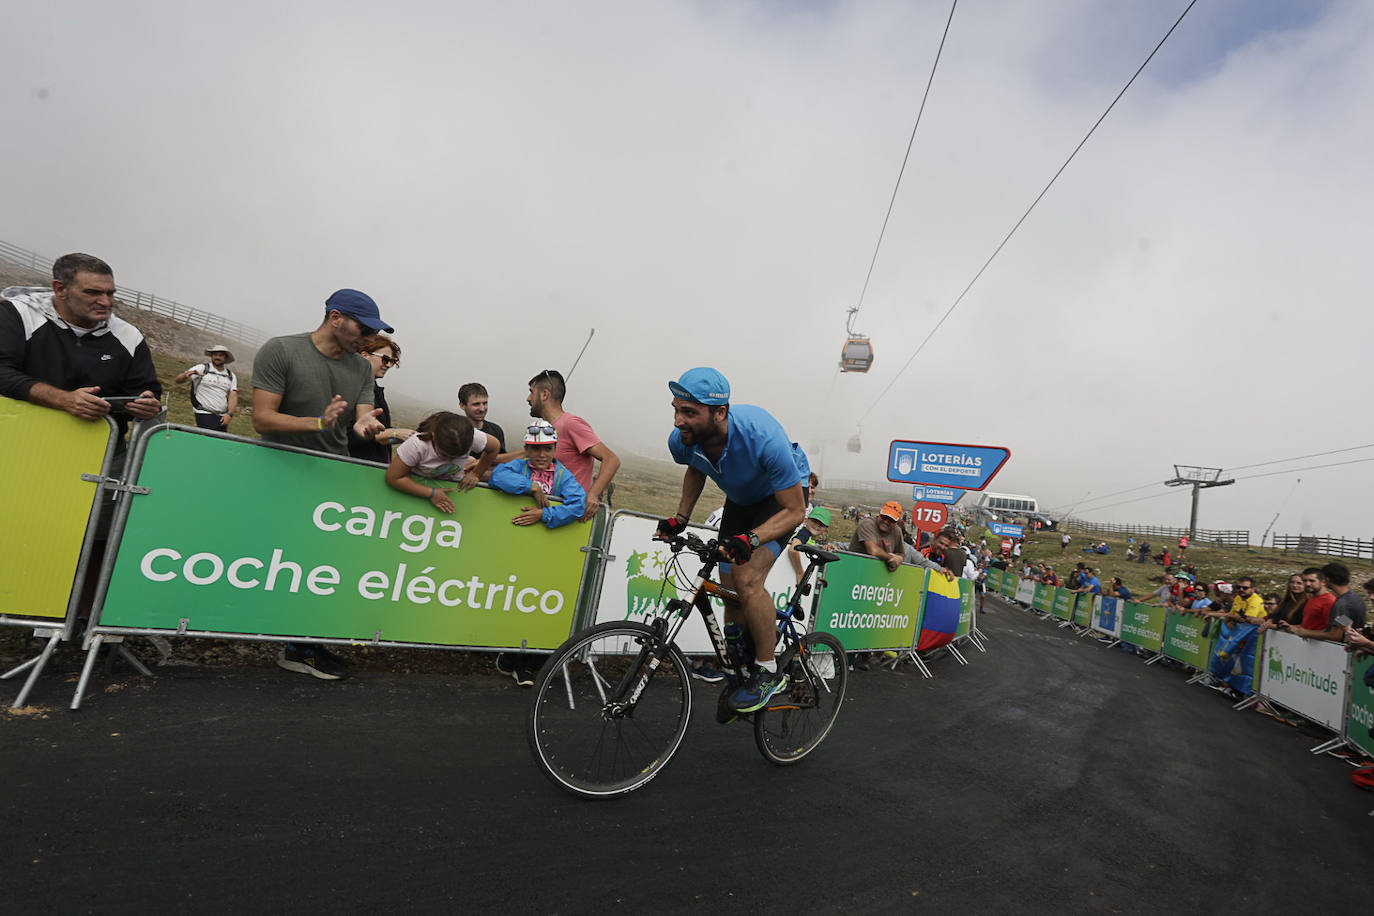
703 385
359 306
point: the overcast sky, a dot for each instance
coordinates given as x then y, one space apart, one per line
703 183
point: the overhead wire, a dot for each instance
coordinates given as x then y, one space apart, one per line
1310 467
849 323
1157 483
1248 477
996 251
1334 451
1258 464
1138 499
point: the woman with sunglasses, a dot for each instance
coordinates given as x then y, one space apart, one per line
383 354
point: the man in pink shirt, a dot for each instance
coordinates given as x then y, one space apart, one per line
578 445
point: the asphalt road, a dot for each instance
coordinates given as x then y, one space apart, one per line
1051 773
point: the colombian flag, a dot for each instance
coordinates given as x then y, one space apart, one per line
941 616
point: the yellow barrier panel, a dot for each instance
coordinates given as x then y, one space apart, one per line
47 504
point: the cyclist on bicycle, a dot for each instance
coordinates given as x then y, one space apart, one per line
749 456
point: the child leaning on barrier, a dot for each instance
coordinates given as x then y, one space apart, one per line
540 476
438 451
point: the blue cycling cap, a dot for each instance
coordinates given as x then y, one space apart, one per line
703 385
358 306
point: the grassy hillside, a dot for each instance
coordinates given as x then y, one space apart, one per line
1269 568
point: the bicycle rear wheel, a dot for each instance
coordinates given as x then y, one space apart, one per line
588 732
798 718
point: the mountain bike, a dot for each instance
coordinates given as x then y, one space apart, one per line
611 706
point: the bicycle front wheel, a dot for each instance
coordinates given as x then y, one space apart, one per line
798 718
610 709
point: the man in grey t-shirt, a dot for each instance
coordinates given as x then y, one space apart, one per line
1349 602
306 388
305 384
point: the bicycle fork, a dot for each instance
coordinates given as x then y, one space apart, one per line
665 630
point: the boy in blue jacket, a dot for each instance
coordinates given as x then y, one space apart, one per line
539 475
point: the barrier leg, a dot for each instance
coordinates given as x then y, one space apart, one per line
129 657
37 663
1249 701
1154 658
1331 745
21 667
915 659
91 652
958 656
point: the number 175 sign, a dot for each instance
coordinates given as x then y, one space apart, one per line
929 516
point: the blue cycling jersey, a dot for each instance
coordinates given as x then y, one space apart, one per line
757 460
803 466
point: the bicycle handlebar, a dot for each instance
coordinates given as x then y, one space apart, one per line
705 550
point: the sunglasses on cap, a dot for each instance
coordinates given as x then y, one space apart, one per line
535 429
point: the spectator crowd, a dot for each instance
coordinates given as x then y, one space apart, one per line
323 390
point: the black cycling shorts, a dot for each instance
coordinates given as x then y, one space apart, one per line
739 518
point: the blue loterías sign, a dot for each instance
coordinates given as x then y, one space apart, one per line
1003 530
944 464
947 495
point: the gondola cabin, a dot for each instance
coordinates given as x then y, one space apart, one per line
857 355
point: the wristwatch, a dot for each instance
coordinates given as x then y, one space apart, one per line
753 541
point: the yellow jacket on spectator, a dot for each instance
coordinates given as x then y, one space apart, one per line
1252 607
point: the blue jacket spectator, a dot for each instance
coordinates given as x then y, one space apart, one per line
515 477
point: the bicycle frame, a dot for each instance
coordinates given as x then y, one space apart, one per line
676 612
632 721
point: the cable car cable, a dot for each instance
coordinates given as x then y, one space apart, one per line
996 251
1334 451
1258 464
1155 483
849 323
1310 467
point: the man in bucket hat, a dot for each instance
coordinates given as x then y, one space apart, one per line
214 389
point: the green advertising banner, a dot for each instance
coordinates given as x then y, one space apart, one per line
239 537
1143 625
868 607
40 479
1360 704
1083 610
1063 604
967 598
1184 642
993 582
1009 582
1044 597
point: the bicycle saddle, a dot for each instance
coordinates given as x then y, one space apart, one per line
824 556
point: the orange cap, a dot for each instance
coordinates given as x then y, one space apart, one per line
892 509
